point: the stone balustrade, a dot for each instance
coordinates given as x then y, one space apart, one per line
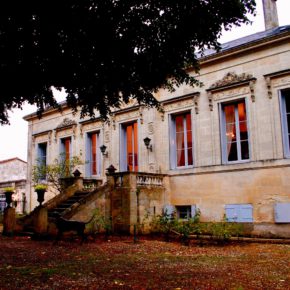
137 179
149 180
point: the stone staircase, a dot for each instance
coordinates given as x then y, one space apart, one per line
65 206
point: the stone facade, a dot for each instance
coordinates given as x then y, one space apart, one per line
13 173
253 74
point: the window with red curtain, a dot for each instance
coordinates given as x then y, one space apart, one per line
132 146
67 143
94 147
236 131
183 139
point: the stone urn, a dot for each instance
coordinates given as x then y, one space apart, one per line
8 191
111 169
40 190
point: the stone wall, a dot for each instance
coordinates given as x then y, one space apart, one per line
12 169
256 74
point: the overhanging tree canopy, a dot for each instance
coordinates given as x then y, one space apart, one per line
105 51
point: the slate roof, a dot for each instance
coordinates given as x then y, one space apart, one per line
247 40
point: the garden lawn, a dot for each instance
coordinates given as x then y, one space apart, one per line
148 264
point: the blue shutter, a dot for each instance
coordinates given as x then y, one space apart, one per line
282 212
246 213
232 212
239 213
193 210
169 209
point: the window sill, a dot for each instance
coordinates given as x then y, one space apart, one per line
237 162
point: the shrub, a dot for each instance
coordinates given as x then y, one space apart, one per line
224 230
164 224
9 189
40 187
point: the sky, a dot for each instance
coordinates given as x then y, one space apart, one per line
13 137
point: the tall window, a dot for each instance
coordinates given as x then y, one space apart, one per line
93 154
181 140
42 156
66 148
285 117
235 132
129 148
41 153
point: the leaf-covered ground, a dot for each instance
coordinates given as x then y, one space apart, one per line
149 264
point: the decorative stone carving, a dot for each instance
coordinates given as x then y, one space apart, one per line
210 100
279 82
66 123
151 128
252 87
107 137
141 109
128 115
196 103
162 112
49 137
269 87
113 118
81 130
74 127
231 78
54 136
178 105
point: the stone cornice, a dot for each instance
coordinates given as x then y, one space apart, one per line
41 133
278 73
179 98
231 80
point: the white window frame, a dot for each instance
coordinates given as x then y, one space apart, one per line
190 211
172 140
223 132
285 129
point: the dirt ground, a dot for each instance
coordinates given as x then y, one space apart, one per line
118 263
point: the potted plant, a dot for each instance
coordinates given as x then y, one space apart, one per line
8 191
40 189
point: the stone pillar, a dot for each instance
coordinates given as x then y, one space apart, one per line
270 14
40 220
9 221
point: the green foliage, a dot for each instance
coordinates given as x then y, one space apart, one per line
220 231
40 187
9 189
100 223
164 223
53 173
224 230
105 52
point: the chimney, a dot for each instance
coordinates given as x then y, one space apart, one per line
270 14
